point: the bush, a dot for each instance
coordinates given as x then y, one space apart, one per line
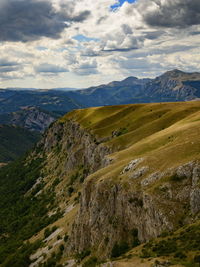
135 240
91 262
197 258
61 247
165 247
56 182
177 178
180 255
70 190
119 249
83 254
47 232
66 238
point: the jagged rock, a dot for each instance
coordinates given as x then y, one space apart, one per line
83 148
152 178
132 164
167 188
32 118
196 175
139 172
185 171
195 200
161 264
110 212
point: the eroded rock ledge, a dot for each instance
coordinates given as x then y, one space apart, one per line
111 212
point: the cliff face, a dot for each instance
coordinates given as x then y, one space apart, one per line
32 119
107 178
126 198
110 212
71 146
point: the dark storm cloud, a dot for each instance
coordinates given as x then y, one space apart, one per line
28 20
49 68
174 13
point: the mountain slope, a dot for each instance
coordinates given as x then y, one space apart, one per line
102 181
11 100
174 86
15 141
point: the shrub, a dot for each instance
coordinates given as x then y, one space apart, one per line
66 238
47 232
59 237
119 249
165 247
177 178
91 262
180 255
83 254
61 247
70 190
145 253
56 182
197 258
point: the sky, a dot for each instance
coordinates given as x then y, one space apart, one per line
81 43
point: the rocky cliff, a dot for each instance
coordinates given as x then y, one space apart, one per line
112 211
126 198
32 118
113 178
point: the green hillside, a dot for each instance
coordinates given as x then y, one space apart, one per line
113 185
15 141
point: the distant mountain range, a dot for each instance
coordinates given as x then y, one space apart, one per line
24 110
172 86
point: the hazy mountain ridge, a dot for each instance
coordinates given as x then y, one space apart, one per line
172 86
54 101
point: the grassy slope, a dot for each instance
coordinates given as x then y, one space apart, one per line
154 131
166 135
14 142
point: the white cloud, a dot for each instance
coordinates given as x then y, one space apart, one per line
118 43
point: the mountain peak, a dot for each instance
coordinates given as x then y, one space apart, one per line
173 73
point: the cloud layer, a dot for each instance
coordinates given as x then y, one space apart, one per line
52 43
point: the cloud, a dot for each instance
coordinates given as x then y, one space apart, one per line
28 20
88 39
4 62
7 66
172 13
49 68
8 69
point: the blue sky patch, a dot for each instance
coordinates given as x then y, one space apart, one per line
121 2
83 38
